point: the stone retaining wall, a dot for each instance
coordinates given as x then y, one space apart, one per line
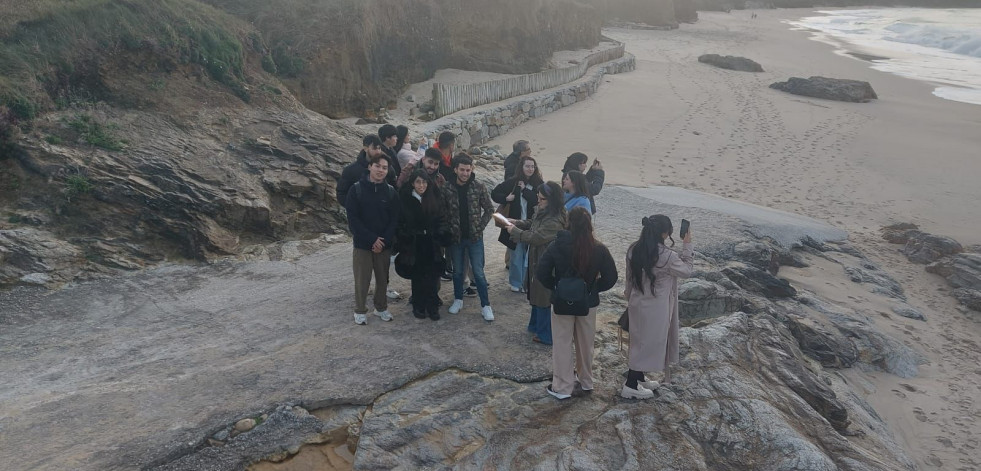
478 127
450 98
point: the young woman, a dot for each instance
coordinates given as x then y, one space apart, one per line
521 192
538 232
576 191
651 290
405 154
594 177
576 251
420 233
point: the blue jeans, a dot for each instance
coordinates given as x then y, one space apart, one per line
475 250
518 267
541 323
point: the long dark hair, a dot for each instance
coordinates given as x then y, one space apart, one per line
579 185
535 179
583 242
574 161
430 199
645 252
556 200
401 133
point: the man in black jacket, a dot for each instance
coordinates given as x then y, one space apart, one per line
520 149
357 169
372 215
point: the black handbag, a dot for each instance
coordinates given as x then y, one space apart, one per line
571 296
624 321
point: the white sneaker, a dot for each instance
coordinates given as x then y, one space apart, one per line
652 385
557 395
456 306
487 312
384 315
360 319
639 393
392 294
515 289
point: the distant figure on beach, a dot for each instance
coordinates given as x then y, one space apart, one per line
651 290
576 251
576 191
537 232
421 231
388 135
519 149
357 169
468 210
520 194
372 216
594 177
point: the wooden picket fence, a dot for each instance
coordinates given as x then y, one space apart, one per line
450 98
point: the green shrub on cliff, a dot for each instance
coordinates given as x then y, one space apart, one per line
59 49
95 133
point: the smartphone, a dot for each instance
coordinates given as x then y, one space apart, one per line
684 228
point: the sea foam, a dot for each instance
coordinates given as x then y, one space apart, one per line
941 46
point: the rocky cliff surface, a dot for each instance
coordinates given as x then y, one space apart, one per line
184 130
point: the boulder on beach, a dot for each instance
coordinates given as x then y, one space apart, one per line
741 64
854 91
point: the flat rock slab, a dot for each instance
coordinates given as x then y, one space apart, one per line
718 222
141 369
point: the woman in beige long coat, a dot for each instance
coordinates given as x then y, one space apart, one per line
539 231
651 290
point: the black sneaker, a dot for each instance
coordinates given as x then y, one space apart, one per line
419 314
434 315
470 292
446 276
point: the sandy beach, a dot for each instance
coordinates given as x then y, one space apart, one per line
907 157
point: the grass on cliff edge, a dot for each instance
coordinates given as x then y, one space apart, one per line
51 50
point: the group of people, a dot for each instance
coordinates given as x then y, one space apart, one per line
423 209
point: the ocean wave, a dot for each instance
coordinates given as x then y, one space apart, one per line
957 41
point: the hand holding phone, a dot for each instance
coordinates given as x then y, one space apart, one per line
683 232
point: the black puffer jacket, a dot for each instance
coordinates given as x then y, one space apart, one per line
557 261
420 236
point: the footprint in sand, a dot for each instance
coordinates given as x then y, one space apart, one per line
918 413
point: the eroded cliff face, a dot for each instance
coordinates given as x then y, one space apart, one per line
351 58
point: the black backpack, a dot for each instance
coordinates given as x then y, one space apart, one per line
571 295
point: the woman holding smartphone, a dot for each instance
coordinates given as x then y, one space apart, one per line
651 290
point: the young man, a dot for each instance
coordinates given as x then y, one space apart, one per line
520 149
357 169
388 135
430 161
372 215
468 210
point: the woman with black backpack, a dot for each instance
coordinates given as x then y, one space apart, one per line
420 235
578 257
